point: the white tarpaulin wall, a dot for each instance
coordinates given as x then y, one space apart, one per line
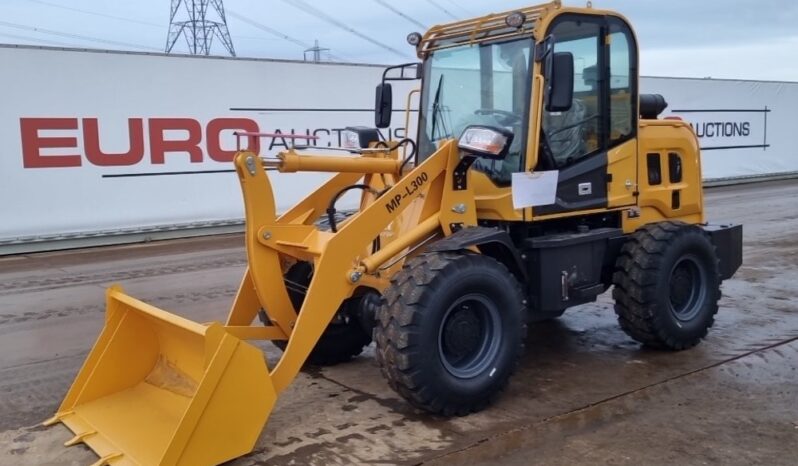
745 127
111 142
64 113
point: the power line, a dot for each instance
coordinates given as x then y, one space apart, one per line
77 36
95 13
268 29
302 5
275 32
461 7
442 8
103 15
35 39
259 38
400 13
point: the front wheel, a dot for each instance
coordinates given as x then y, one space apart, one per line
667 285
450 331
343 339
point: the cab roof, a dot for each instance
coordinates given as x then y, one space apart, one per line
493 26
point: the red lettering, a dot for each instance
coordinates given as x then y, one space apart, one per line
91 143
213 135
160 146
32 143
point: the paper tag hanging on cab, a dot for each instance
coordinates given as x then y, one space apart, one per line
534 188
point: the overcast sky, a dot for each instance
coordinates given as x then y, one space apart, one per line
753 39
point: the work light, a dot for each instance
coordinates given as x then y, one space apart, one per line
414 38
358 137
515 19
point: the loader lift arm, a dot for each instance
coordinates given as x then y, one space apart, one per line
340 266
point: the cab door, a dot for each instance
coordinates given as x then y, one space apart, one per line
593 144
622 160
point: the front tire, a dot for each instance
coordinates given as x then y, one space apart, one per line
667 285
343 339
450 331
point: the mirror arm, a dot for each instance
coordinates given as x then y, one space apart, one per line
544 48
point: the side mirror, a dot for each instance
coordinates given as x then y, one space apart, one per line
383 105
559 81
486 141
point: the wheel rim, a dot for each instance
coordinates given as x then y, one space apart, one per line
469 336
687 287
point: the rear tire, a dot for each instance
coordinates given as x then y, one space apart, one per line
343 339
450 331
667 285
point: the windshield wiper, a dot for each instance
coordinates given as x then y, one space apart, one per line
436 105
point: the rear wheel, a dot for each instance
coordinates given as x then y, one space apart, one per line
667 285
344 338
450 331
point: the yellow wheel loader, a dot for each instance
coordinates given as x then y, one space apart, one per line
540 177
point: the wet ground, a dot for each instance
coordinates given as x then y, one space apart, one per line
585 393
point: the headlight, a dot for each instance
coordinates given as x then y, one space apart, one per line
350 140
486 141
359 137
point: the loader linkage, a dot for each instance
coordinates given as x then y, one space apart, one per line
159 389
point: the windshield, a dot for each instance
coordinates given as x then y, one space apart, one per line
482 84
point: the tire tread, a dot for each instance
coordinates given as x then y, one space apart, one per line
398 320
636 276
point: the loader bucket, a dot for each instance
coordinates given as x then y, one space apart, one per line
158 389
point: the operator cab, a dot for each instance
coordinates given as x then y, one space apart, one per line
490 83
564 89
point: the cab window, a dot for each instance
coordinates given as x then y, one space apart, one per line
574 134
622 77
483 84
603 113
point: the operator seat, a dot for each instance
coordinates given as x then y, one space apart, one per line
565 132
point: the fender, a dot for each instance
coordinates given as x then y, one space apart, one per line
492 242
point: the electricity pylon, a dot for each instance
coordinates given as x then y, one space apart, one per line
198 27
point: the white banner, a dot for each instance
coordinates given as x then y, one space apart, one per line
745 128
94 141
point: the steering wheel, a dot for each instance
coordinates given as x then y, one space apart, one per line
573 125
509 117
